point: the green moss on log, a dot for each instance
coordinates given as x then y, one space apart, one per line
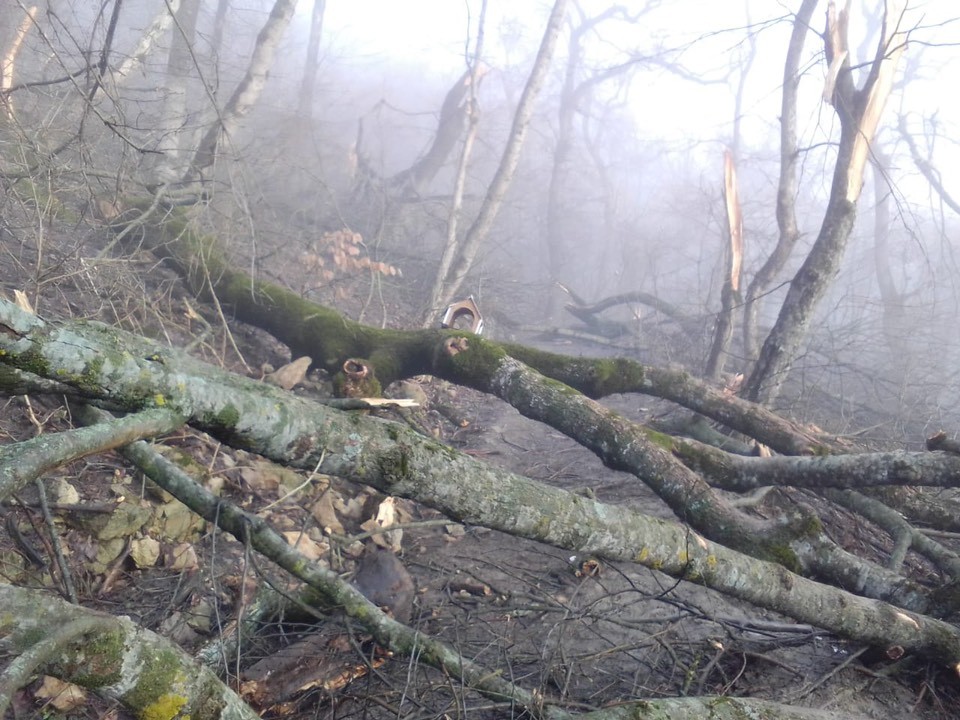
101 662
478 363
161 673
593 377
667 442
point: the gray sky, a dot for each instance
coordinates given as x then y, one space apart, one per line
707 37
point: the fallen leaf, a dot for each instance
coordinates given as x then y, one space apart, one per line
324 512
291 374
182 557
386 517
306 545
61 695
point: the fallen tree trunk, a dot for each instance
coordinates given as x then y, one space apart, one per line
113 368
147 674
329 339
802 544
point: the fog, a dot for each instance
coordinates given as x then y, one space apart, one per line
657 93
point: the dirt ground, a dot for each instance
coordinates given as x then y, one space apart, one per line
584 635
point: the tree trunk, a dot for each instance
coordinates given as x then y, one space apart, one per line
730 294
172 145
219 28
147 674
245 95
447 286
311 66
452 245
9 60
108 366
787 186
148 41
859 112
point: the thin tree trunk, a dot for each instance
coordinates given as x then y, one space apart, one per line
312 65
180 68
787 186
447 286
219 27
452 246
246 93
157 29
8 61
555 239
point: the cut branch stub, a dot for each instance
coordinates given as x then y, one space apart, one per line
356 380
940 441
455 346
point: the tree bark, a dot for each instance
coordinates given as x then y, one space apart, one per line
730 293
157 29
109 366
311 66
329 338
9 60
787 185
172 145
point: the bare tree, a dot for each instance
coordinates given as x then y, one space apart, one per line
447 285
787 184
245 95
312 64
173 145
859 112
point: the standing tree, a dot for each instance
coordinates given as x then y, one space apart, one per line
859 111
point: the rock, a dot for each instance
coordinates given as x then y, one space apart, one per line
384 580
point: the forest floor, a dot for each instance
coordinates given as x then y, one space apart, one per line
586 634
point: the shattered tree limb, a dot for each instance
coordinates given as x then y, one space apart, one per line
105 365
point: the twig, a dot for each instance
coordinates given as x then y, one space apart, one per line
65 575
810 687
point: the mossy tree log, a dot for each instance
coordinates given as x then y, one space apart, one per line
796 539
109 367
329 338
147 674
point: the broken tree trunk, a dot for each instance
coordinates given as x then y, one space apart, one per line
859 112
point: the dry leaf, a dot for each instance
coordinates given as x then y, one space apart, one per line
324 512
291 374
62 695
183 557
145 552
305 545
386 517
352 508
